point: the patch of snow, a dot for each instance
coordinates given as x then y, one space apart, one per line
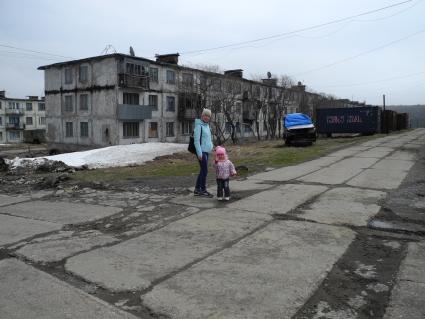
112 156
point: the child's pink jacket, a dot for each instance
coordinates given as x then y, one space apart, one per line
224 169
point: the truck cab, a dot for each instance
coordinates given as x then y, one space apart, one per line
298 128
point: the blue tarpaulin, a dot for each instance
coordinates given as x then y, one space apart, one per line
295 119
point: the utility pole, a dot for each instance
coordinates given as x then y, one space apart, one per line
385 115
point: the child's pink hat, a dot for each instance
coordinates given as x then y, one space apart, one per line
219 150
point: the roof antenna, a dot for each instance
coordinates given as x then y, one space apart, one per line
131 51
108 48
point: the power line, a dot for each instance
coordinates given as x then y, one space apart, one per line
376 81
34 51
297 31
359 54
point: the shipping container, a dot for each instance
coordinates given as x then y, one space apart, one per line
402 121
365 120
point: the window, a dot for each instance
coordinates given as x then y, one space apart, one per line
238 107
41 106
187 79
247 127
153 130
153 73
29 106
170 129
14 120
187 127
69 129
1 136
203 81
171 104
130 129
216 84
237 88
42 121
68 103
68 76
1 120
131 98
1 105
153 101
84 129
83 73
14 135
171 77
13 105
229 87
257 91
84 102
28 120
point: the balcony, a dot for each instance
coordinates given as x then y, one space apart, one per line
133 81
129 112
14 111
15 126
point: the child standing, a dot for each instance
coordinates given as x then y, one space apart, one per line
224 169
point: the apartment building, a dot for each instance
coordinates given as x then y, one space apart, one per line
122 99
22 120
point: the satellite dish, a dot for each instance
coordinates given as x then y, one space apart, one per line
131 51
269 75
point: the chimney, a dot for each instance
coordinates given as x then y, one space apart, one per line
299 87
3 93
172 58
237 73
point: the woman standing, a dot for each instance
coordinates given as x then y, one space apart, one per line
203 144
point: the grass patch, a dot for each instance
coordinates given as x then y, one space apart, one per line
254 156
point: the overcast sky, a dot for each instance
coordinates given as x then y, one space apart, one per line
360 59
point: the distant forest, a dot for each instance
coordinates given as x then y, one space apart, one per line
416 113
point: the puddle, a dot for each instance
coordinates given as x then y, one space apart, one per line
378 224
397 227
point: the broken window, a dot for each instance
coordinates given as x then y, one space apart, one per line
69 129
153 101
170 129
84 102
84 129
130 129
68 103
153 130
171 104
171 77
83 73
68 76
131 98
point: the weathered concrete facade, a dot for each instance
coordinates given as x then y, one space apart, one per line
122 99
22 120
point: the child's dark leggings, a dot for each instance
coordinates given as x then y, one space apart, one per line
223 184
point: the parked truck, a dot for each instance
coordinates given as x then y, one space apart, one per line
298 128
